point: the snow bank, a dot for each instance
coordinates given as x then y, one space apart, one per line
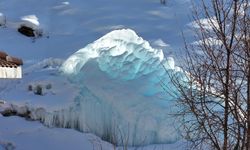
48 63
160 43
30 21
206 23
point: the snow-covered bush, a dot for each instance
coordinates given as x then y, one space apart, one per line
38 90
30 88
48 86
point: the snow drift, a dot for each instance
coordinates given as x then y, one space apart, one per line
120 98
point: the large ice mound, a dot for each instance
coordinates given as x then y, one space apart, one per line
120 53
121 97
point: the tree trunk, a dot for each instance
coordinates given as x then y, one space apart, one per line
226 112
248 96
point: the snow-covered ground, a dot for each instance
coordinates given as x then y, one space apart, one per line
73 24
20 134
118 92
17 133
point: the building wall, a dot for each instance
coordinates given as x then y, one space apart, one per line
6 72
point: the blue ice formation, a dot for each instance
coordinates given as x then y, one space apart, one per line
121 98
120 53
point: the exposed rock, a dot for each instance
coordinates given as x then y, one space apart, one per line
15 110
27 31
9 112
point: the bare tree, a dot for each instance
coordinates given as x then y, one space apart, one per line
215 97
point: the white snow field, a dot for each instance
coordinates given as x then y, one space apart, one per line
100 66
25 135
